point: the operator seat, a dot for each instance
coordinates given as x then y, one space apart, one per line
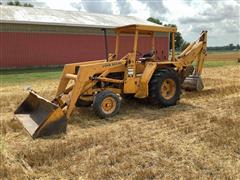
149 55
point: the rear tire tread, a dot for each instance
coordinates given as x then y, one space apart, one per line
155 83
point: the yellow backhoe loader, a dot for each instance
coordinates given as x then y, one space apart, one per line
101 83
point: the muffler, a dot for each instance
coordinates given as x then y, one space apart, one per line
193 83
41 117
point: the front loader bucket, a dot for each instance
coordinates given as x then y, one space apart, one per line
193 83
41 117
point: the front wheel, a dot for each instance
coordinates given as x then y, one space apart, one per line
106 104
164 88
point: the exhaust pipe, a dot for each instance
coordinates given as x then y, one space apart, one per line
41 117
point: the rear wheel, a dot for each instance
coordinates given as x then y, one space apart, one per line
106 104
164 88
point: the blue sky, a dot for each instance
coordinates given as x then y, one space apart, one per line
220 17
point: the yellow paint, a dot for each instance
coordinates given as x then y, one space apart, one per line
142 90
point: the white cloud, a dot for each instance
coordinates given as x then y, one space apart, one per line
177 8
140 10
61 4
220 18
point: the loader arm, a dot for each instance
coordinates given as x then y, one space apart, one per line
42 117
83 80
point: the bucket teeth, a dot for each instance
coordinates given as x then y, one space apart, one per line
193 83
41 117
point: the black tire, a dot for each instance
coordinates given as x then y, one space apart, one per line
155 94
127 96
82 103
98 104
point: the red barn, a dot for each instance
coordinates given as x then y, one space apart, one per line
41 37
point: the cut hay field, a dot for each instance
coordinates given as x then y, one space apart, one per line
223 56
197 138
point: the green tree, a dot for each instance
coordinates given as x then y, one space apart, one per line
185 45
179 41
238 46
27 5
10 3
231 46
154 20
18 3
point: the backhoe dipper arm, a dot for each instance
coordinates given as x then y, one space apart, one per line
195 51
202 54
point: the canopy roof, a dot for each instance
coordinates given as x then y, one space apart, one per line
145 29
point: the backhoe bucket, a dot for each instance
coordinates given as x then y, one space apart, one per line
193 83
41 117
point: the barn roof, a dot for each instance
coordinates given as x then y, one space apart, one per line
27 15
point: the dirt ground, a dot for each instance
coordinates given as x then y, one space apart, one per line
197 138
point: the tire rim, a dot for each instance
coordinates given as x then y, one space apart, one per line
109 105
168 89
